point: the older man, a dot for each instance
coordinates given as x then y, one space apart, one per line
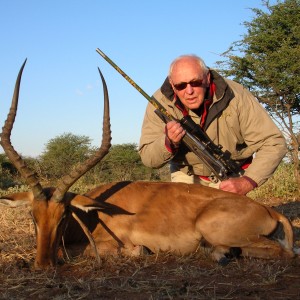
230 115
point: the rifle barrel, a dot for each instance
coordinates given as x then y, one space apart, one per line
152 100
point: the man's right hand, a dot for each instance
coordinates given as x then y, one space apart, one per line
174 132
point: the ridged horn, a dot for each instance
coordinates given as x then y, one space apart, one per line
68 180
29 175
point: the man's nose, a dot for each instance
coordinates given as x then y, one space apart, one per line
189 89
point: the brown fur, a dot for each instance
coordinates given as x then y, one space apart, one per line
162 217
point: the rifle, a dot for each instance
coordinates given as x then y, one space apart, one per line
216 160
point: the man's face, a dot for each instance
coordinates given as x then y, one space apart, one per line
189 83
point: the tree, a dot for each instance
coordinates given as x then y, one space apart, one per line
269 65
124 163
7 166
8 172
62 153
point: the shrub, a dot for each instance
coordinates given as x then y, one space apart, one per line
281 185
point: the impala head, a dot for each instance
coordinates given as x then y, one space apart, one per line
51 206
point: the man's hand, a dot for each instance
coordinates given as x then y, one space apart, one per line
239 185
174 132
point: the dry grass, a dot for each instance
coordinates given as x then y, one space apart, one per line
161 276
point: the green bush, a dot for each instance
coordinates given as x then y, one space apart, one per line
281 185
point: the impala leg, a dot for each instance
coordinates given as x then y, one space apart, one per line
133 251
224 254
268 249
112 248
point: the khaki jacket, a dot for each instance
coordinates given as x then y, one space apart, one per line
236 120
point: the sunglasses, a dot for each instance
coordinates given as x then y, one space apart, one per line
195 83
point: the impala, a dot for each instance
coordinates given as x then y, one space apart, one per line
125 217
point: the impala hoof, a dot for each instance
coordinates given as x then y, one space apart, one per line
224 261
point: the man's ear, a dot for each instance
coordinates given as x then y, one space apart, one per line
208 78
173 88
171 83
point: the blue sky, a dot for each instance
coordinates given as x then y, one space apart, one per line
61 90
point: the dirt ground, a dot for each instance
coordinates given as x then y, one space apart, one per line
162 276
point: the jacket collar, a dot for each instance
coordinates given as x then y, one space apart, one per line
223 95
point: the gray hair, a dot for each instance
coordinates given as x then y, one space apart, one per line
198 59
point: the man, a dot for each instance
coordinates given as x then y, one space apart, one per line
230 115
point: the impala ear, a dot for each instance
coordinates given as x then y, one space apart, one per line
17 199
87 204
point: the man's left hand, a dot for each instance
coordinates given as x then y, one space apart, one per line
238 185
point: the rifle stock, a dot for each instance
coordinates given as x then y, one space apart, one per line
217 161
